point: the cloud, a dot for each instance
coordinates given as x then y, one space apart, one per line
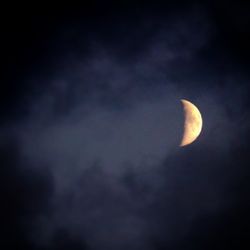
105 131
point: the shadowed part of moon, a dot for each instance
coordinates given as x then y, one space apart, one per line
192 123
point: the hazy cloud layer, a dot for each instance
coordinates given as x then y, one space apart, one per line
106 130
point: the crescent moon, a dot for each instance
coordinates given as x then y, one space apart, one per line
192 123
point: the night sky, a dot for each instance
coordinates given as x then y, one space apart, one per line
91 122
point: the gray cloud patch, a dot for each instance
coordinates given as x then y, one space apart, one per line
108 130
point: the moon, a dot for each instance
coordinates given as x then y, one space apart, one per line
192 123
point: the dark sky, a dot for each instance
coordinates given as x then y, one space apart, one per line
91 120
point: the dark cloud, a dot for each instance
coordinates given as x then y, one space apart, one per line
89 145
25 194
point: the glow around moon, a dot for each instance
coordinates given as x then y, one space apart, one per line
192 123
